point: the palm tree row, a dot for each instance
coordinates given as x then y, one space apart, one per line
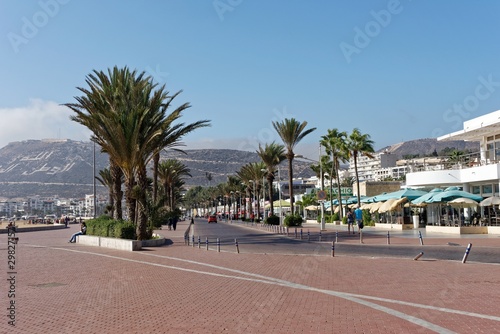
127 115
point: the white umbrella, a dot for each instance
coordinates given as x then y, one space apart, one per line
463 202
494 200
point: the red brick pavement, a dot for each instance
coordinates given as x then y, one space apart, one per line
69 288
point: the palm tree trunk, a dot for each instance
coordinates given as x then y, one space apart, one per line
117 174
290 182
142 221
339 190
129 185
357 177
270 180
156 162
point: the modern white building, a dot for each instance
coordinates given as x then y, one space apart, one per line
476 173
368 168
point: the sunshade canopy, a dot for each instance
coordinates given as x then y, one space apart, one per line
449 195
426 197
463 202
494 200
408 193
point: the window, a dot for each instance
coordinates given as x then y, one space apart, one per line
487 189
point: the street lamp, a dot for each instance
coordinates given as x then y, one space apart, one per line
279 193
264 194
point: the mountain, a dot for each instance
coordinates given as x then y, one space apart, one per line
64 168
425 147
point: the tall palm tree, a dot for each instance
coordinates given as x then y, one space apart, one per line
291 133
272 155
171 173
335 145
106 179
127 115
359 144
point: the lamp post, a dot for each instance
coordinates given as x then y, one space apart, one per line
279 193
264 194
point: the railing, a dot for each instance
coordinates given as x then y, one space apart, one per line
449 162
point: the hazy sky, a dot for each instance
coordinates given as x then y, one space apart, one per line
397 70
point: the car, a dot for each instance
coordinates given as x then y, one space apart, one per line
212 219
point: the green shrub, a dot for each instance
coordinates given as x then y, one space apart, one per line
272 220
335 217
344 220
293 220
107 227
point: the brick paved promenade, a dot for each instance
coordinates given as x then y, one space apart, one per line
70 288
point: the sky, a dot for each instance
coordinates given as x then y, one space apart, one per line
396 70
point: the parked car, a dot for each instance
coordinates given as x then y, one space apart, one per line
212 219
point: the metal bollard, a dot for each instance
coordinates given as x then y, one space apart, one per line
206 242
388 238
418 256
333 248
319 236
308 236
286 227
336 236
192 240
186 240
295 233
360 236
218 245
300 234
467 251
420 237
237 247
199 242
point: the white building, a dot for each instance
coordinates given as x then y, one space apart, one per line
369 167
478 173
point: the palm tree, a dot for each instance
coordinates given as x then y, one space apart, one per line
335 144
291 133
106 179
172 135
171 172
127 115
359 144
272 155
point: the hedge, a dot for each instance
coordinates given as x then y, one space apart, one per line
108 227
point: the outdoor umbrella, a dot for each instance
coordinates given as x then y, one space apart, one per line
494 200
449 195
426 197
387 205
463 202
375 206
397 204
403 193
312 208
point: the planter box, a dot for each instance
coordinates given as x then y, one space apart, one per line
113 243
457 230
394 226
493 229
